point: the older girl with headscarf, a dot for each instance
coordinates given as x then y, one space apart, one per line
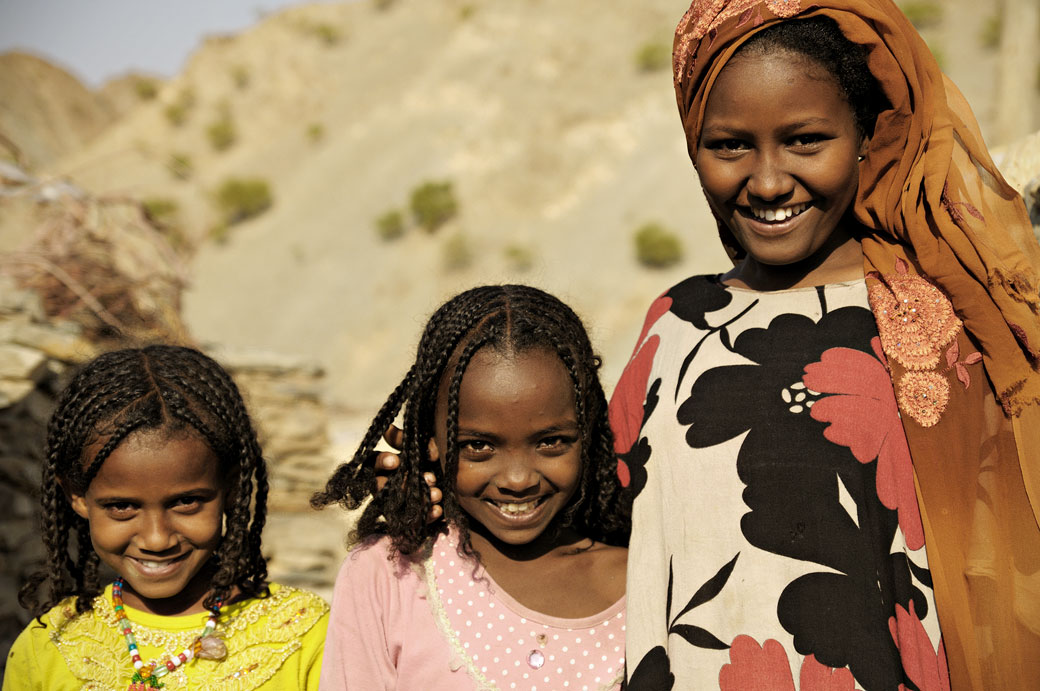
835 447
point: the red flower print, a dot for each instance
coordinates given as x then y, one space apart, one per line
753 666
863 416
626 404
925 666
766 667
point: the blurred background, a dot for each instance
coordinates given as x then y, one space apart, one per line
295 187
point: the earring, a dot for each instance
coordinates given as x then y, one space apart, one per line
860 158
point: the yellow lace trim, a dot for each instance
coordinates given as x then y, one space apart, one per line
260 637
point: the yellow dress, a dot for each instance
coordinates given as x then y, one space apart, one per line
273 643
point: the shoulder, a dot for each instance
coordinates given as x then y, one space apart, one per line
375 556
285 614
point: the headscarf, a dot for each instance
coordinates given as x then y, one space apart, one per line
935 206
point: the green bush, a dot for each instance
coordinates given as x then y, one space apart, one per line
653 56
180 166
656 246
433 204
383 4
178 111
467 11
161 210
239 199
315 132
922 13
222 133
456 253
989 35
146 88
327 33
240 76
519 257
390 225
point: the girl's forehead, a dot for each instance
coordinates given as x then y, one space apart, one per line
157 458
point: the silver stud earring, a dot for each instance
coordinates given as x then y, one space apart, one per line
860 158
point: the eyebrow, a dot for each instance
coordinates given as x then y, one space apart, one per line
723 129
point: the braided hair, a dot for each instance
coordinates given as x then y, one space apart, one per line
159 387
508 319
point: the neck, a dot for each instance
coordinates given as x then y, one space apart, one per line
188 601
554 540
838 260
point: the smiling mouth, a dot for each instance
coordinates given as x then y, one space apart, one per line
150 567
517 509
778 214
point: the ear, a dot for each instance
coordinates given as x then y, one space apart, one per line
78 502
864 146
432 450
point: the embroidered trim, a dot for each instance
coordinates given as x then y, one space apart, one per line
706 16
90 643
916 322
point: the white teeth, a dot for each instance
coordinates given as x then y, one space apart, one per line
781 214
517 509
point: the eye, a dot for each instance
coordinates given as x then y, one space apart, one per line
728 146
120 509
558 444
808 142
187 504
475 449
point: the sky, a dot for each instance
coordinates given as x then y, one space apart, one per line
100 39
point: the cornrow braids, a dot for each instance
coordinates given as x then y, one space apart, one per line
167 388
507 318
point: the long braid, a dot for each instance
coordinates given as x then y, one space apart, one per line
162 388
508 318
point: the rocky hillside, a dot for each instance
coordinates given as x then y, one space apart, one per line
554 122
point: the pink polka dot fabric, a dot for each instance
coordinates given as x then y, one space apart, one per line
504 645
440 624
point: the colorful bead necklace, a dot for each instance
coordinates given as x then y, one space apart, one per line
146 676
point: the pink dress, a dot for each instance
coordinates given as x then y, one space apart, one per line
442 624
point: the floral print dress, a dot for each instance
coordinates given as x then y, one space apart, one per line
777 542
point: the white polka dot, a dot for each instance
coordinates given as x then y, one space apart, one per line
498 637
572 660
604 658
469 623
559 670
577 640
556 636
611 636
522 620
484 670
585 653
564 648
469 603
592 632
508 651
592 666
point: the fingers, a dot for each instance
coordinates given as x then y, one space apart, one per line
394 437
435 496
387 461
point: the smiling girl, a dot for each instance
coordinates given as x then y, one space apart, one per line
521 585
154 477
834 444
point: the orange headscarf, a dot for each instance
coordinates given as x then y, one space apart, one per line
936 206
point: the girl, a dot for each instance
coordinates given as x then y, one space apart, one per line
154 474
834 444
522 584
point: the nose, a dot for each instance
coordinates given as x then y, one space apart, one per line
518 475
156 533
769 179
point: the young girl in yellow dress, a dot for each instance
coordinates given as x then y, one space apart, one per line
154 476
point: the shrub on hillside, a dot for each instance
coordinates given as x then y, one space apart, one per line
519 257
239 199
146 88
433 204
222 133
989 35
180 166
457 253
178 111
390 225
160 210
922 13
315 132
656 246
653 56
240 76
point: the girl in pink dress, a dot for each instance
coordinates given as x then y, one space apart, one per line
521 584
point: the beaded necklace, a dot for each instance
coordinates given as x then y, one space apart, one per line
146 676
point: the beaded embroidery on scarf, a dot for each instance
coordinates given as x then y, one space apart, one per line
916 323
260 636
706 16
